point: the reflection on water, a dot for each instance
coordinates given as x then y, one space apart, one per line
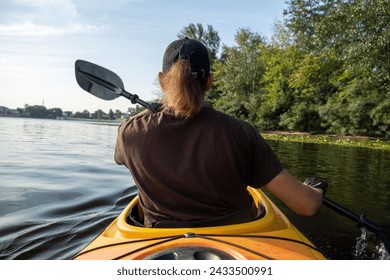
60 188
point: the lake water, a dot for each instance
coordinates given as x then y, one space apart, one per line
60 187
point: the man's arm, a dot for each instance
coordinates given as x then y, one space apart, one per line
119 147
300 198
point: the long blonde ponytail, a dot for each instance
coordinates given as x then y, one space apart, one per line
184 93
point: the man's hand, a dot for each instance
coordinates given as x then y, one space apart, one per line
317 183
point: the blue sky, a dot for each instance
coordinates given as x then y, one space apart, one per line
41 39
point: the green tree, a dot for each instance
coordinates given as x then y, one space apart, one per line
354 35
278 97
99 114
54 113
237 76
36 111
111 115
117 114
84 114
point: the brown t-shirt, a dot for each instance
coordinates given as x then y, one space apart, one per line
193 169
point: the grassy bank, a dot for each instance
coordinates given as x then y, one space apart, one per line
353 141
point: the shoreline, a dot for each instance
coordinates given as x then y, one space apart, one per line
303 137
332 139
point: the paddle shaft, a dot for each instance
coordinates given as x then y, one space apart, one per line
360 219
135 99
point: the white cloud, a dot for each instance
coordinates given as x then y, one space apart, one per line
65 6
29 28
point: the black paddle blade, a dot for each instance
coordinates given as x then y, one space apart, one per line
97 80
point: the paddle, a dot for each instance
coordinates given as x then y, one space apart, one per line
362 221
104 83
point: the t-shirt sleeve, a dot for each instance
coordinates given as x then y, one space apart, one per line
265 163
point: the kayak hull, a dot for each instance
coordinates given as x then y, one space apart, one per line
272 236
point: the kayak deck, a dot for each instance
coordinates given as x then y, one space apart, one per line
270 237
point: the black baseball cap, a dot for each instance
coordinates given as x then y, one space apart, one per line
190 49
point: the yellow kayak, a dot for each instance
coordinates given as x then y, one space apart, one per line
272 236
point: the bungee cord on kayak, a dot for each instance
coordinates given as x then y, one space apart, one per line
211 237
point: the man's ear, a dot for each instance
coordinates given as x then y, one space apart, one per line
209 82
160 77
